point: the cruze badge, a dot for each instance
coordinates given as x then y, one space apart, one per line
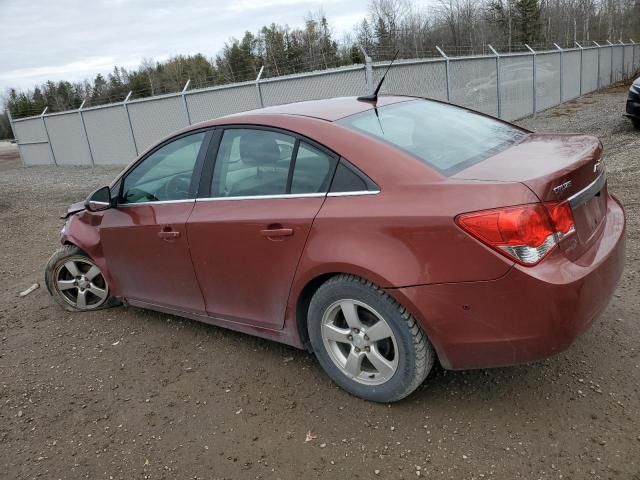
562 187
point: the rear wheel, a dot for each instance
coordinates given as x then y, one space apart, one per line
76 282
366 342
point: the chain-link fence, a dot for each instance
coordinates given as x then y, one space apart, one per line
509 86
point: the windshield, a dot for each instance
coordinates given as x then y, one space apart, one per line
444 137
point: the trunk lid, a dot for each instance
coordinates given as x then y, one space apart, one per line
556 167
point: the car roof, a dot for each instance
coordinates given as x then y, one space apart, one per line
330 109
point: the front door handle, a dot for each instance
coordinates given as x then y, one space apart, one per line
274 231
168 234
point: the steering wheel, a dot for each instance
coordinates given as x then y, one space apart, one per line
177 187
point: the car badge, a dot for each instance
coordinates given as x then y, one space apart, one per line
562 187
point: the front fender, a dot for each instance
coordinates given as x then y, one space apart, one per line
83 230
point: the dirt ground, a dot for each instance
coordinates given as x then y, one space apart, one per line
125 393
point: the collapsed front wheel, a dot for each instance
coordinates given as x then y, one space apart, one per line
366 342
75 281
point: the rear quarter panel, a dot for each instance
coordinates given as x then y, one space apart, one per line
407 236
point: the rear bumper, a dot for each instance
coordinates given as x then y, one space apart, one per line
527 315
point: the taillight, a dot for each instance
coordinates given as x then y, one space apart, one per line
525 233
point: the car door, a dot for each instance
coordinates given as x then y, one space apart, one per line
248 232
144 237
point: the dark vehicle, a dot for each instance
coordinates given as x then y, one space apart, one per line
633 103
379 235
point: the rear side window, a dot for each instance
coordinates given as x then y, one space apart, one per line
447 138
256 162
347 179
252 163
312 170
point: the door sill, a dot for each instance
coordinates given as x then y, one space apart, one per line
281 335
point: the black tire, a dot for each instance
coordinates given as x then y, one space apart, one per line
636 122
415 354
57 261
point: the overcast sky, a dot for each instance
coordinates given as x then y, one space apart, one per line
76 39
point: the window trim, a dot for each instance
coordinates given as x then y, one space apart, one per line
355 193
264 197
204 192
195 177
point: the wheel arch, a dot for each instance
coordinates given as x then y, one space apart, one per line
306 292
81 233
302 306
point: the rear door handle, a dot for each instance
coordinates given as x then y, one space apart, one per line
276 232
168 234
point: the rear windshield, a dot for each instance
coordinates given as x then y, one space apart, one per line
444 137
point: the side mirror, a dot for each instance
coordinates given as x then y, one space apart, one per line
98 200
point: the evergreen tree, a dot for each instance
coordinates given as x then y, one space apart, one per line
528 21
99 91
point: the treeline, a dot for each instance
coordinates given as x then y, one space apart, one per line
279 49
461 27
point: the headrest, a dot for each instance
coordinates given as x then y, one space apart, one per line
258 148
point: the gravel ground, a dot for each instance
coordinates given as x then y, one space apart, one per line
125 393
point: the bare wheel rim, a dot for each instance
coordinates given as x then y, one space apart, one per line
360 342
80 283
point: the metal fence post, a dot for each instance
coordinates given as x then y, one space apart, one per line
561 72
624 73
533 58
493 50
633 56
368 73
611 70
184 100
15 135
598 45
126 109
258 89
13 128
46 131
86 135
446 72
581 52
368 70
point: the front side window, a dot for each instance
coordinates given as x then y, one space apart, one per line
166 174
447 138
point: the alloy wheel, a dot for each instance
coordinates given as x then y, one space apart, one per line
81 284
360 342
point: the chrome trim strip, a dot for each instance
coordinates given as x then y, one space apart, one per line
262 197
291 195
256 197
353 194
30 143
99 203
157 202
588 192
